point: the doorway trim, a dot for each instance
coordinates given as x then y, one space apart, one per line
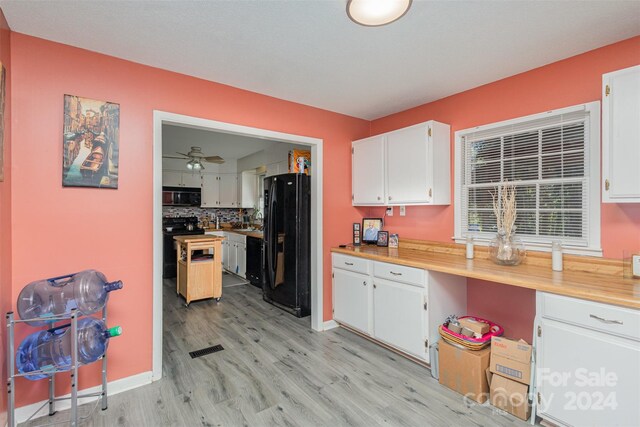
163 117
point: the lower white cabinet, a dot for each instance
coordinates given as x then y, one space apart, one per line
397 305
241 259
400 316
588 362
351 296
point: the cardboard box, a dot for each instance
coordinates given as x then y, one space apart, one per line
476 326
510 396
511 359
464 370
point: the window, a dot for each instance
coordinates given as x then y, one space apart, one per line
553 160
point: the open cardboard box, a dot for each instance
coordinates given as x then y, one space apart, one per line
511 359
463 370
510 396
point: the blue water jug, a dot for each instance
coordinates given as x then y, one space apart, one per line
87 291
50 350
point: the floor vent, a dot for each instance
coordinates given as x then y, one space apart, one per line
205 351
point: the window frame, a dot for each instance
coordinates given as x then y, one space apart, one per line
592 172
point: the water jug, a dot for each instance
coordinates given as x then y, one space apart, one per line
86 291
51 349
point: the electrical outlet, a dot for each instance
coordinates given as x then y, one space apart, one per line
635 265
403 210
390 211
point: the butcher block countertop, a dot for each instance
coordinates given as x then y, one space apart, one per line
589 278
255 233
200 238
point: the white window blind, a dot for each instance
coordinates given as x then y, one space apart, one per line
547 158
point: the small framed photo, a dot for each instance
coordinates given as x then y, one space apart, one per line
370 229
356 234
393 240
383 238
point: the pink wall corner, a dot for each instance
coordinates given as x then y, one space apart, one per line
6 295
564 83
111 230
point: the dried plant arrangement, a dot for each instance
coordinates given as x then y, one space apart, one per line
504 208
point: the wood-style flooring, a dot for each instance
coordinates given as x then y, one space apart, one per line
276 371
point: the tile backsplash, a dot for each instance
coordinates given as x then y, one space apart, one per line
225 215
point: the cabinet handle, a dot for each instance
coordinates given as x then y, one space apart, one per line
364 283
616 322
606 184
430 193
348 263
379 197
395 274
374 286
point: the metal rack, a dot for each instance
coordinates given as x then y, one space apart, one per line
12 375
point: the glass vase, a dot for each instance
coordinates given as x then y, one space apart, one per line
506 250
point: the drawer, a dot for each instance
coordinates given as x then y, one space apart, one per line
399 273
346 262
607 318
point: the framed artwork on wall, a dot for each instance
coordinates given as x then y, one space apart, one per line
91 143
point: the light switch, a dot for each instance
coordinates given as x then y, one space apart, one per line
403 210
635 265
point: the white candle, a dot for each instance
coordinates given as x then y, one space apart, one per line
469 247
556 256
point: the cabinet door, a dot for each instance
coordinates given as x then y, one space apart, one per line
399 316
368 171
621 136
247 187
409 166
210 191
351 299
233 257
225 254
241 259
228 190
587 378
191 180
171 179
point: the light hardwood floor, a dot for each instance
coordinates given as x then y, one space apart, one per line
274 370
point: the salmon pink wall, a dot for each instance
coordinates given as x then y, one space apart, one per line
59 230
5 211
572 81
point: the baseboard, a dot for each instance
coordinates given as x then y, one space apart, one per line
329 324
113 387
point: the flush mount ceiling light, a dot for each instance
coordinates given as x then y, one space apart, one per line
374 13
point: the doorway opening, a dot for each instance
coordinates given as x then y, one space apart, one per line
161 118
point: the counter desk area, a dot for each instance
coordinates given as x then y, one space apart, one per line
587 317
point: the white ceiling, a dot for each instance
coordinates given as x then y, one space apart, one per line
308 51
228 146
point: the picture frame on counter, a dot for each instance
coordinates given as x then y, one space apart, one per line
393 240
356 234
370 229
383 239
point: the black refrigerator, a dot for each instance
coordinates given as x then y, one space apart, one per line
287 243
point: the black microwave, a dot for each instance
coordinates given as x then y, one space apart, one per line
180 196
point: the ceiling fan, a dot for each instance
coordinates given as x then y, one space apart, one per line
195 158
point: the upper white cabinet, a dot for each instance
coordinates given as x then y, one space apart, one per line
180 179
219 191
367 165
621 136
210 191
247 189
409 166
228 190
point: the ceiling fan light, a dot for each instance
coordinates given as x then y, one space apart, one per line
373 13
190 164
197 165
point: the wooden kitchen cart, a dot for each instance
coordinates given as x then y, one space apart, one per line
199 277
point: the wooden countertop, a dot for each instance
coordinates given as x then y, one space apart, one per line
604 283
202 238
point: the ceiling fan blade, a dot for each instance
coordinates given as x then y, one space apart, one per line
182 154
174 157
214 159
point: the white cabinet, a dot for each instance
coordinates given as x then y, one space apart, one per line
588 362
368 171
225 255
181 179
228 197
409 166
398 305
621 136
234 253
400 316
210 191
241 259
219 191
247 189
277 168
